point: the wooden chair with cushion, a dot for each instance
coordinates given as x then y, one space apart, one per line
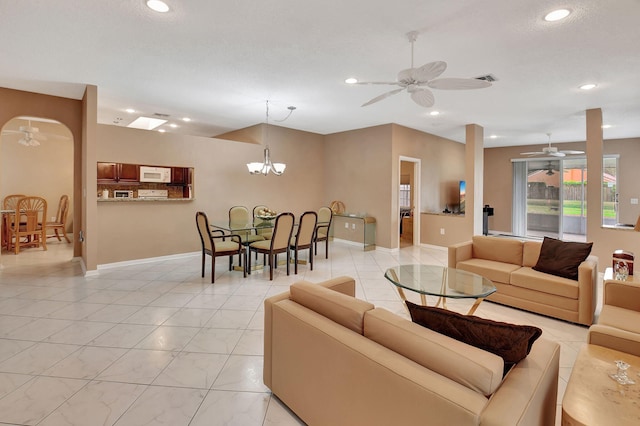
279 243
304 238
239 218
218 245
9 203
30 223
59 226
325 215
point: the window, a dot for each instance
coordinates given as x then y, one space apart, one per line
405 195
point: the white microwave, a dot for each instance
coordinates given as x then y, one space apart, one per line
155 174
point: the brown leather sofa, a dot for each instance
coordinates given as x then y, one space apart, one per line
508 263
337 360
618 325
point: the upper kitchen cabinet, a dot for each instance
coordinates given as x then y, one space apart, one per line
181 175
118 173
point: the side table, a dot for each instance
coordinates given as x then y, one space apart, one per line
593 398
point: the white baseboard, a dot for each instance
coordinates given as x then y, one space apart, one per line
147 260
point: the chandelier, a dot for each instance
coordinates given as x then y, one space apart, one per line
266 166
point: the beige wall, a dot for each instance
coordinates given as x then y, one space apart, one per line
138 230
357 171
45 170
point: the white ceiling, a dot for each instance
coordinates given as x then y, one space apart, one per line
217 62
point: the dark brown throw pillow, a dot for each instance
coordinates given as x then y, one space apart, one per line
509 341
562 258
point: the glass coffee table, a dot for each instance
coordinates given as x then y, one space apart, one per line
440 281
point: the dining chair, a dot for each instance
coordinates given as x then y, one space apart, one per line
279 243
239 216
218 245
266 233
325 216
30 223
60 224
304 238
9 203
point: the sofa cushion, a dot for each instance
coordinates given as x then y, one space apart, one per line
562 258
490 269
345 310
511 342
472 367
624 319
506 250
546 283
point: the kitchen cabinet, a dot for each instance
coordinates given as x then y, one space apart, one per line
180 175
110 173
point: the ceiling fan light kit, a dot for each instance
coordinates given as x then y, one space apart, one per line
417 81
267 165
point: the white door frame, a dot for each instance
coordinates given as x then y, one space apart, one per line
415 188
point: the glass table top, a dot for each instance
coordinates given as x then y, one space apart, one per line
440 281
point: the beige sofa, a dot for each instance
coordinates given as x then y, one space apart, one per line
508 263
337 360
618 325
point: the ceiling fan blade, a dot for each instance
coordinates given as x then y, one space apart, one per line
423 97
406 75
557 154
571 152
383 96
428 71
532 153
391 83
458 83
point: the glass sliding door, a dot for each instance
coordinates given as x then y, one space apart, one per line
610 191
574 205
543 200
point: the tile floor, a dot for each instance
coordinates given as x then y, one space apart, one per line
156 344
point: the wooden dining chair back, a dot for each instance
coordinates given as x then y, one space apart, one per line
304 238
325 216
218 245
239 217
30 226
279 243
59 226
9 203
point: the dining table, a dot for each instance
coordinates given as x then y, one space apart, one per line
249 228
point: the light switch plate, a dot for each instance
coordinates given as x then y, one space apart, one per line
634 201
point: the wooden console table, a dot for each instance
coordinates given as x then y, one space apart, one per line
593 398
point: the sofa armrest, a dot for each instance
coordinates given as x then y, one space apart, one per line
614 338
344 284
528 394
459 252
587 288
622 294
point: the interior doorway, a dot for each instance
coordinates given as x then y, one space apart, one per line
37 158
409 202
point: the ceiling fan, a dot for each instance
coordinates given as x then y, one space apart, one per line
552 151
417 80
30 135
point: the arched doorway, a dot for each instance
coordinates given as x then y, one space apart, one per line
37 158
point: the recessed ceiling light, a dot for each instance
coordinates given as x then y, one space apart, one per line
588 86
434 113
557 15
606 126
187 119
493 137
161 130
130 110
351 80
158 6
174 125
146 123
